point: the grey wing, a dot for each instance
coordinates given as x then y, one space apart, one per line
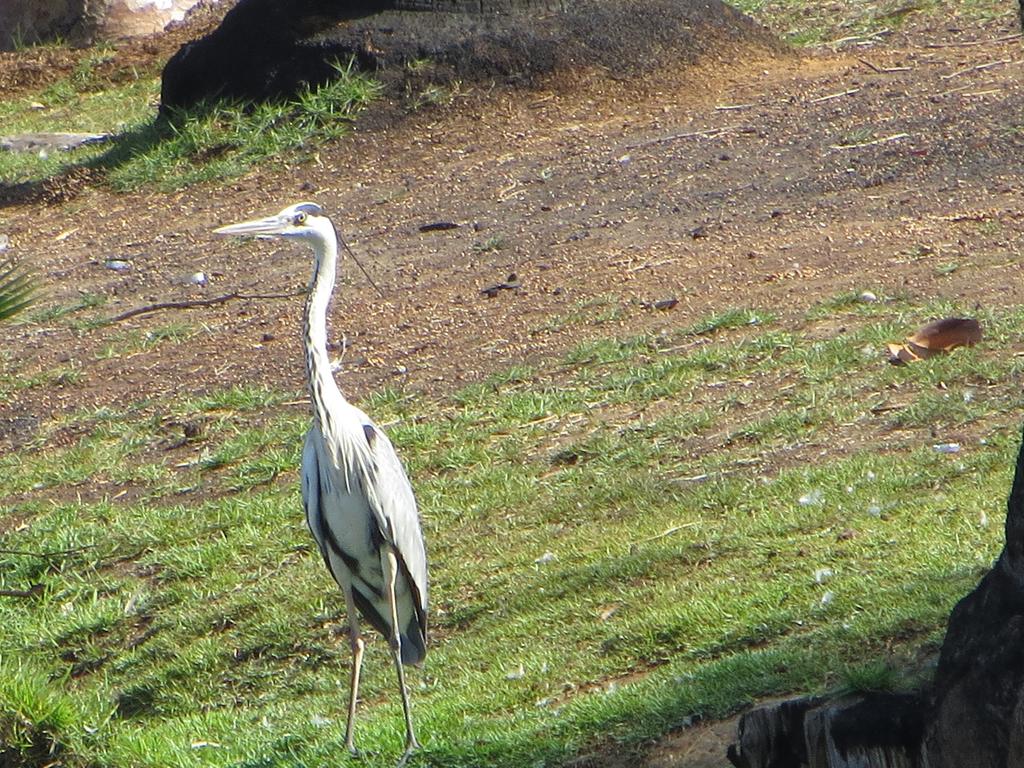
392 499
311 492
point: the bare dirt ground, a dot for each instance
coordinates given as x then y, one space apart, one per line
754 179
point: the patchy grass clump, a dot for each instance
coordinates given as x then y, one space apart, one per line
215 142
804 22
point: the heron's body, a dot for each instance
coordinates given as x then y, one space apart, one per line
359 503
351 533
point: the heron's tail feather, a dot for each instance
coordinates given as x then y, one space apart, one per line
414 644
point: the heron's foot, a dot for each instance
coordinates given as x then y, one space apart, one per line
411 745
353 750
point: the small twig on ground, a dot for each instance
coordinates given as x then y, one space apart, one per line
662 305
49 554
512 190
990 92
882 70
958 89
727 107
710 132
511 284
976 68
886 408
834 96
193 303
968 216
860 39
671 351
884 140
1005 39
33 591
651 265
668 532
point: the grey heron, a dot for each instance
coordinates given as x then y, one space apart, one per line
359 503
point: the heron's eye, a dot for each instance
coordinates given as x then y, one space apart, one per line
300 218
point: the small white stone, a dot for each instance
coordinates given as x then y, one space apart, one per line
817 496
516 674
195 278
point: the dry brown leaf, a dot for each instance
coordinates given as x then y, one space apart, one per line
935 338
948 333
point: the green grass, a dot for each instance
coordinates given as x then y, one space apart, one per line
805 22
226 141
75 107
649 529
85 301
17 288
210 143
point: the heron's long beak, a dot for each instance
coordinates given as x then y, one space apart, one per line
272 225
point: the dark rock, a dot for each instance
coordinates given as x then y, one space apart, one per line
257 52
268 49
871 730
511 284
661 304
977 701
438 226
874 730
772 736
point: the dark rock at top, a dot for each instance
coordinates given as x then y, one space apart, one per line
257 52
270 49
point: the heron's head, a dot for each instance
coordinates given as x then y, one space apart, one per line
305 221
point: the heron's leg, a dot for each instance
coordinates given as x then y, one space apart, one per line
356 641
391 575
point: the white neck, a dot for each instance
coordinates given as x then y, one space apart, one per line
322 388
